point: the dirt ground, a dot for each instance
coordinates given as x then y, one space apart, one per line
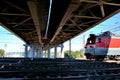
117 61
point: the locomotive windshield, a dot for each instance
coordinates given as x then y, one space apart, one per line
91 39
98 40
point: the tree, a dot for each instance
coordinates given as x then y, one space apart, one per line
77 54
73 54
2 52
68 54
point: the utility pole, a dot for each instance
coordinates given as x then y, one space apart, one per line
70 48
83 41
5 46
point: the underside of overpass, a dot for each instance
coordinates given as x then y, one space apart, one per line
28 19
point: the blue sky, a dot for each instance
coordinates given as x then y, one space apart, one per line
11 43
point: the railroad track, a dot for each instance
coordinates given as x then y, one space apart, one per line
57 69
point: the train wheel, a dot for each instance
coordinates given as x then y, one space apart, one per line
100 58
112 57
88 56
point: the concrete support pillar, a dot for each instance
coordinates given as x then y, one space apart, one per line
48 51
26 50
40 51
55 52
62 52
45 54
32 51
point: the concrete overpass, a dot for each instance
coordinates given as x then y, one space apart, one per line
40 24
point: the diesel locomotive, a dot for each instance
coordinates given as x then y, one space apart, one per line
103 46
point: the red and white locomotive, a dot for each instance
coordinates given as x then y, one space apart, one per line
105 45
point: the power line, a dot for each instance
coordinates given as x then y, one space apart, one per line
11 42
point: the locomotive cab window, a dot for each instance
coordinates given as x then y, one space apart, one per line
98 40
90 41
